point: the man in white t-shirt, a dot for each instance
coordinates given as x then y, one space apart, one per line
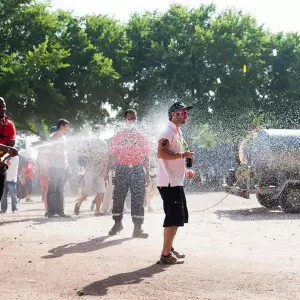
171 171
11 185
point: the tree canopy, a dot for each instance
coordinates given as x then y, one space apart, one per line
233 71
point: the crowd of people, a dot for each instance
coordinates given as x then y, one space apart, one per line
126 166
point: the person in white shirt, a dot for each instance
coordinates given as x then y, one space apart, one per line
58 170
171 171
96 152
11 185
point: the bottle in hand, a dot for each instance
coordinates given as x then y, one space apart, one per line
189 162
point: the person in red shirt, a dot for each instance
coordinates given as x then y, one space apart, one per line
28 171
7 127
7 141
131 149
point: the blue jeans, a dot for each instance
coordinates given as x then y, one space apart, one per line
10 187
55 196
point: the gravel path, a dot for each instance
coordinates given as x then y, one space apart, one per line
236 250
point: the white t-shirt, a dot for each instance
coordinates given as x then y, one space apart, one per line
56 152
42 159
171 171
12 171
97 155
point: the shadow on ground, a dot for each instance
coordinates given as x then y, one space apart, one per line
41 210
100 288
254 214
84 247
2 223
36 220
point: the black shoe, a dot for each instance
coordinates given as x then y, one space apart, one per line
116 228
46 215
63 215
50 215
138 232
76 209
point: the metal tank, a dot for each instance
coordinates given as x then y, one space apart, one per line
276 151
275 157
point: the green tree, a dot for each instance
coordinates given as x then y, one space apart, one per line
31 58
54 64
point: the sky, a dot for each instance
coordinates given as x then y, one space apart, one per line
276 15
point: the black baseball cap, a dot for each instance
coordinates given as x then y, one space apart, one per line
176 106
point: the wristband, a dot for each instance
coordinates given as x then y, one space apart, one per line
179 155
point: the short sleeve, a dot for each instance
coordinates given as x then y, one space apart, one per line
11 132
101 145
114 144
166 134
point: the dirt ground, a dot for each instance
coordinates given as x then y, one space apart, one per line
236 250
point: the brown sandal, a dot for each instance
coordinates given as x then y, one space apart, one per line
179 256
170 259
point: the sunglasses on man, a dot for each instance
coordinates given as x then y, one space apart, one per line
182 113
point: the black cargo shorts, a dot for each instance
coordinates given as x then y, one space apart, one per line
174 205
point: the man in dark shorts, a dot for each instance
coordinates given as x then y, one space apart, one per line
7 141
170 177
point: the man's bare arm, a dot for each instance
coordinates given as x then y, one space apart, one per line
147 169
112 162
7 149
4 148
163 151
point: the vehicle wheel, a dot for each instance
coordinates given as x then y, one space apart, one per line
290 201
267 201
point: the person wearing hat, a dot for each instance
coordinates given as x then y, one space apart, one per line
171 171
130 148
52 130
